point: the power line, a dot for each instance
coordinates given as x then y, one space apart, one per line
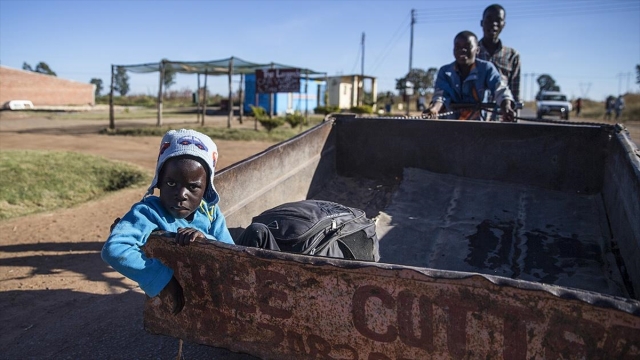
353 69
439 15
388 47
585 93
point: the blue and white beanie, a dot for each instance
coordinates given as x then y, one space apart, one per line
188 142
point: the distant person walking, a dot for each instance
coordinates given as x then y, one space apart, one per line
609 104
389 103
619 106
505 59
578 106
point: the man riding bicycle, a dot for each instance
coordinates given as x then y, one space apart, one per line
469 80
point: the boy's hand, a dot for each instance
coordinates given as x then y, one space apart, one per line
115 222
173 291
432 111
186 236
507 112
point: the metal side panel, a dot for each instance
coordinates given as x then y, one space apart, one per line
283 306
556 157
621 193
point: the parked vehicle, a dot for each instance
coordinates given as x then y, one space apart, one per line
18 105
553 103
497 240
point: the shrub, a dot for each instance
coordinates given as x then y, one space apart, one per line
325 110
258 112
294 120
271 123
363 109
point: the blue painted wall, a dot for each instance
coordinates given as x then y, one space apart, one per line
281 100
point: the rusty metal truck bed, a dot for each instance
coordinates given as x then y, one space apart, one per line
497 241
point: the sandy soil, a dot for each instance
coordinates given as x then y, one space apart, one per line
51 274
58 298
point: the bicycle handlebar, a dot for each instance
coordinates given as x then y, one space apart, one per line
484 105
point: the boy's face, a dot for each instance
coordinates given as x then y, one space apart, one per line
182 185
465 49
492 24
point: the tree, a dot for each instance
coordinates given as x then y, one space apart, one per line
169 75
546 83
26 66
121 81
98 83
43 68
423 81
638 74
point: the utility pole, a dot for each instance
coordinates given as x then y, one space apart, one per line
361 87
524 88
585 93
413 21
533 76
620 75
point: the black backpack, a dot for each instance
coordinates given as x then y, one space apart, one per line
314 227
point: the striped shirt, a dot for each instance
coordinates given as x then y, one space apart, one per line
507 60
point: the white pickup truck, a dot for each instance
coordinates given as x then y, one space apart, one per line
553 103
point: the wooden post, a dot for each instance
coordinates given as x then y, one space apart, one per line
204 96
255 118
306 99
230 94
198 101
112 121
241 89
159 122
271 99
326 90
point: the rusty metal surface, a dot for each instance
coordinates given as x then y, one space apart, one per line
284 306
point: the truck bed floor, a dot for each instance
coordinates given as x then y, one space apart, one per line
454 223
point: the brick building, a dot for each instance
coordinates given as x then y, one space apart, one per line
43 90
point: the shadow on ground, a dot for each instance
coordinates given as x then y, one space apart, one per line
67 324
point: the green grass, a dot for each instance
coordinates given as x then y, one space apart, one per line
37 181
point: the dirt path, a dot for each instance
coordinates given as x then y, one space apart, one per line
58 298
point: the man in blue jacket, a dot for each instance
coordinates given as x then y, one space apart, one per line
468 80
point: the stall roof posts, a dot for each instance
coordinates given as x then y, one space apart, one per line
159 122
230 94
112 122
229 66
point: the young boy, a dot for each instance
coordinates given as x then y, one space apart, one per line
468 80
506 59
186 205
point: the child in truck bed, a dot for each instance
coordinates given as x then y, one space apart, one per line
187 205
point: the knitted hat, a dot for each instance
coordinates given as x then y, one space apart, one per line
188 142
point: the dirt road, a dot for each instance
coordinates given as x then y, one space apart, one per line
59 300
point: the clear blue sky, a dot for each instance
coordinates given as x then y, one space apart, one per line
589 47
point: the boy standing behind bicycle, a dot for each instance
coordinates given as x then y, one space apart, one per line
468 80
505 59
